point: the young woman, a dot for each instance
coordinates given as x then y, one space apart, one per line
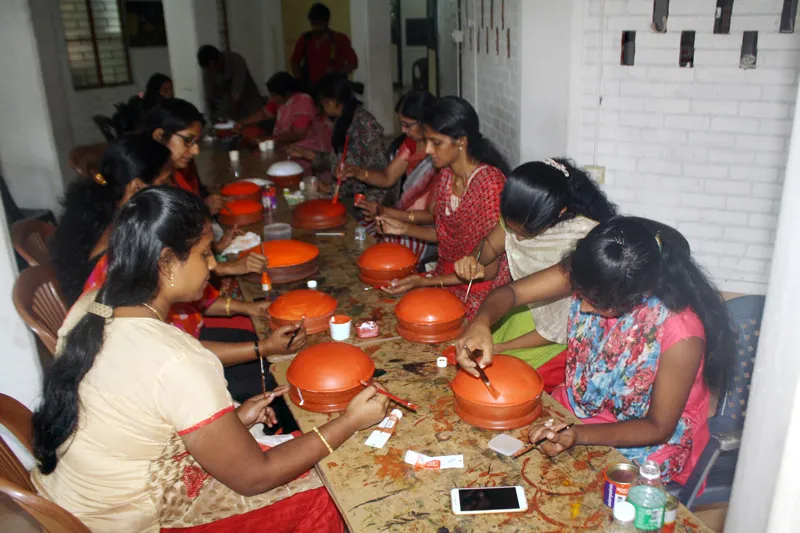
546 207
158 89
649 337
136 431
129 164
418 189
365 134
467 206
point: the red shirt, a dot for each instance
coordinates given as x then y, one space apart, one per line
323 54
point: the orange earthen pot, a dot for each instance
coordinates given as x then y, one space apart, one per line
313 308
287 260
319 214
224 130
383 262
241 212
520 401
241 190
430 316
286 174
324 378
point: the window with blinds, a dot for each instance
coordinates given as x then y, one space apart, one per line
96 50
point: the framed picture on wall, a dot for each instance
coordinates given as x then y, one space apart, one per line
144 24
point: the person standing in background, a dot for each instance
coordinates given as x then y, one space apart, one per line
322 51
231 92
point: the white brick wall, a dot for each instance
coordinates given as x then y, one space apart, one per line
705 148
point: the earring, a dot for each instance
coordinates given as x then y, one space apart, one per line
460 148
171 278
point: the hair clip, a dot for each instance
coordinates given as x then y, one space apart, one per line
658 241
100 310
100 179
556 165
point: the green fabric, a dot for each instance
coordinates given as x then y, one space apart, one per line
517 323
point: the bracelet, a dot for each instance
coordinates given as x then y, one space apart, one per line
366 175
255 347
228 307
410 217
325 442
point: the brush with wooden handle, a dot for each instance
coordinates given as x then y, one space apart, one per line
474 356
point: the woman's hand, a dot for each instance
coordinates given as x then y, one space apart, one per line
367 408
278 342
390 226
556 442
468 268
478 336
399 286
370 208
255 410
252 263
258 310
227 238
300 153
215 203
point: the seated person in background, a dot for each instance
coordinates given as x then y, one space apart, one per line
231 93
321 51
649 337
158 89
546 207
136 431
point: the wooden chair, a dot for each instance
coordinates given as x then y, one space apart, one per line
16 418
39 302
51 517
30 240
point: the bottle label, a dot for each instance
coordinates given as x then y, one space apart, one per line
649 519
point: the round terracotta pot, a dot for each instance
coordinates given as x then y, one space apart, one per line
519 403
241 190
324 378
430 316
241 212
383 262
287 260
314 308
224 131
286 174
319 214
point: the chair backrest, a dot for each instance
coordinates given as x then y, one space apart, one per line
52 518
39 302
106 126
16 418
30 238
745 312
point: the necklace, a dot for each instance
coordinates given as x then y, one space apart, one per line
155 312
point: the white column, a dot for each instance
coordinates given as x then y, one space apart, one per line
255 31
370 28
766 492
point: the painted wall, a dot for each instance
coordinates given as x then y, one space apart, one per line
255 31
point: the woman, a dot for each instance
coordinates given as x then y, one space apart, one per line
297 118
355 127
411 161
467 206
158 89
546 207
129 164
649 337
136 431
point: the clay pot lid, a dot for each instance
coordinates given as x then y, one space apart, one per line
387 256
429 306
330 367
284 168
241 207
229 125
240 188
515 380
288 252
307 303
319 208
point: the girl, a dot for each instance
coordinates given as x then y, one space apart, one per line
546 207
136 431
649 337
467 206
158 89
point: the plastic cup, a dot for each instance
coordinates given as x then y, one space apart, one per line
340 327
234 155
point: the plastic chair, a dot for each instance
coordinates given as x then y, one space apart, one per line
51 517
16 418
106 126
39 302
30 240
717 464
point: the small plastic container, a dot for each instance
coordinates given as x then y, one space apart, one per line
340 327
264 146
277 232
234 155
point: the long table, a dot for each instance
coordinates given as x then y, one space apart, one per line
374 489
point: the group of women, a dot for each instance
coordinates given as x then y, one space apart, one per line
146 411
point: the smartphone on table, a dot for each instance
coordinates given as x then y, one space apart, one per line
482 500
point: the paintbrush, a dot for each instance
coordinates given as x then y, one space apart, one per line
494 392
404 403
294 335
539 442
477 260
341 168
263 374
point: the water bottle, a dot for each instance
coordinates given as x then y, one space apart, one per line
624 515
648 498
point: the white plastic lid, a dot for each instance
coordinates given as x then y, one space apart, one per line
441 362
624 511
312 284
284 168
650 470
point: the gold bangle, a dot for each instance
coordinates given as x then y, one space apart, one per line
410 217
228 307
325 442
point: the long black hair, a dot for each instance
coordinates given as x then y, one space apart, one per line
284 84
172 116
152 91
456 118
536 193
626 259
153 220
337 87
413 104
90 204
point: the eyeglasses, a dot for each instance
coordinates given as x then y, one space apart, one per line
189 141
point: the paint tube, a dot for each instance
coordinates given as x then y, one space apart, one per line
386 429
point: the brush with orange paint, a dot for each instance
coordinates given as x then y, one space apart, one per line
341 168
404 403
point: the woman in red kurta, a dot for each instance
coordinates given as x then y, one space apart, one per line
467 202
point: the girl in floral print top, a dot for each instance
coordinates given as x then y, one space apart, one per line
648 338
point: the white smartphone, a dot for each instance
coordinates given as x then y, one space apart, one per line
482 500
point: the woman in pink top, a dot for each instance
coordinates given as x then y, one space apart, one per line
649 337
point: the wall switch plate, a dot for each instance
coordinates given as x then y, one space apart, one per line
597 173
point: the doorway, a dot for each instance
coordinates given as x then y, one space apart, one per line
294 14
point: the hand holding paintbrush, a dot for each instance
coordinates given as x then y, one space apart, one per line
548 440
340 170
404 403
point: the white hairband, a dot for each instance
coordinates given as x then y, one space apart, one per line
556 165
